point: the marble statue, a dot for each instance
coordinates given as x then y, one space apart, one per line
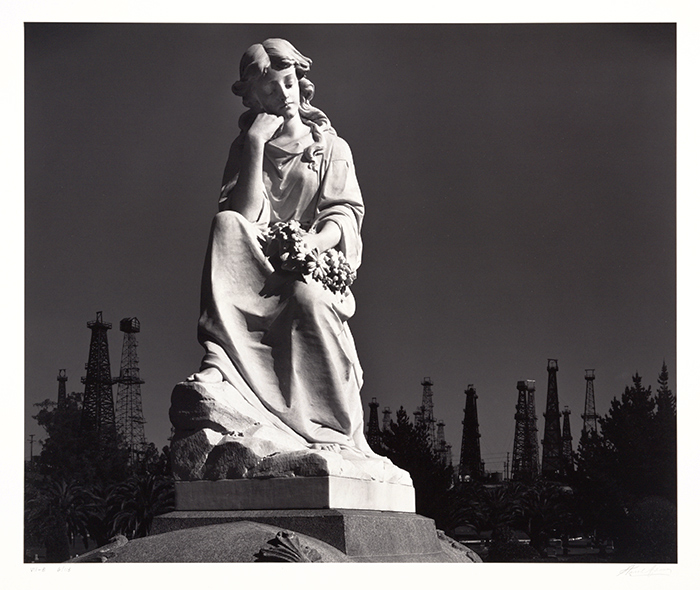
278 391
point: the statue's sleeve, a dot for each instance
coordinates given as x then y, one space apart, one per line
233 168
340 201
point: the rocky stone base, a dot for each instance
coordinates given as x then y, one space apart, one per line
219 436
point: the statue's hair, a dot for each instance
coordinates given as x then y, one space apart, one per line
280 54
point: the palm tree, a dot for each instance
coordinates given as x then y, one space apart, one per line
546 511
133 504
502 505
98 524
464 506
58 511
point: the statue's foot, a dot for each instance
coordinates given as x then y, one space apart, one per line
333 447
208 375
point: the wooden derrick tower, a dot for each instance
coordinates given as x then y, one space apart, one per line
551 443
427 418
526 465
590 418
418 417
62 396
129 408
97 416
374 435
386 422
567 452
443 448
532 444
470 464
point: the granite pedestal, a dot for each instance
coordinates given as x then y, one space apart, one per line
361 535
363 520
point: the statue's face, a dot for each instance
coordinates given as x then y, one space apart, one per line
278 92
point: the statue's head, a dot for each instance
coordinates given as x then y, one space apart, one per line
276 54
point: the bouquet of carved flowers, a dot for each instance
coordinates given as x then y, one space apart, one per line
286 249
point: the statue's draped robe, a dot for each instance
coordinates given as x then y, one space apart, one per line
291 355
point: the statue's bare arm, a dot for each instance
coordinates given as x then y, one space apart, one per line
247 195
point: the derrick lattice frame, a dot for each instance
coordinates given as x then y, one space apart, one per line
526 464
427 417
129 418
470 463
374 434
590 418
98 400
443 449
551 443
567 452
62 396
386 422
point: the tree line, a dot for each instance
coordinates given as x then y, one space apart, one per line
622 492
78 491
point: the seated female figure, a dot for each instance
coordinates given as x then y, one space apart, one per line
283 343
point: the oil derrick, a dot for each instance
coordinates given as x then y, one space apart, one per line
470 464
426 408
386 423
525 447
567 452
418 417
444 450
518 468
129 411
98 402
532 446
61 389
551 443
374 435
590 418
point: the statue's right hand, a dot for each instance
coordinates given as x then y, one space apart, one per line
265 127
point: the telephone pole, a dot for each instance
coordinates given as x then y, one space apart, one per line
31 452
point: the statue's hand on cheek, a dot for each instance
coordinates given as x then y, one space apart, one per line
264 128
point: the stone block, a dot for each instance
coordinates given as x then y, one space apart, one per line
294 493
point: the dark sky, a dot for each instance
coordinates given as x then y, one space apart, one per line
519 182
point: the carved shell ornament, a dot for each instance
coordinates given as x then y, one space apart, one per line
287 547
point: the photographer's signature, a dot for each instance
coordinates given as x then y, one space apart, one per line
634 571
